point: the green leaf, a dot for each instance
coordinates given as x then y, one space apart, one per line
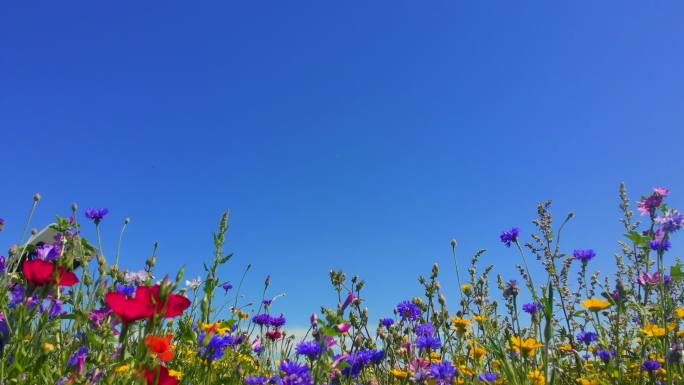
676 272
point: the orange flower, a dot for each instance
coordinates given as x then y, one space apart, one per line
161 346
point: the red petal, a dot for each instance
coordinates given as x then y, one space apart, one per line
66 278
38 272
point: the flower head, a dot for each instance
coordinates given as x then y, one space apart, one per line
387 322
584 255
311 349
409 311
671 221
160 346
596 304
532 308
42 273
443 373
489 378
96 215
587 337
510 237
651 366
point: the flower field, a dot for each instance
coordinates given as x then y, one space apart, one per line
70 316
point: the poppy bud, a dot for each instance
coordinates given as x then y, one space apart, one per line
36 197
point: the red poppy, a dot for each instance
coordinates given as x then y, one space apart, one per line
41 273
131 309
161 375
161 346
145 304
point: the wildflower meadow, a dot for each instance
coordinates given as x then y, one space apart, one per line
68 315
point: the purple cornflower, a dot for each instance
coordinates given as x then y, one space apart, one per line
509 237
3 264
660 245
261 319
425 330
651 366
277 322
97 317
428 343
48 252
227 286
409 311
78 359
587 337
584 255
444 373
387 322
531 308
216 347
16 295
55 310
127 290
605 355
671 221
311 349
96 215
261 380
295 374
488 378
4 330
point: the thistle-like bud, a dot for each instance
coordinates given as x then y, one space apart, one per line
127 221
74 207
453 243
34 231
36 197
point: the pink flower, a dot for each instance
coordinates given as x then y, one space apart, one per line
344 327
646 279
661 191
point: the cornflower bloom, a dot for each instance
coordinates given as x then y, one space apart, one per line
409 311
510 237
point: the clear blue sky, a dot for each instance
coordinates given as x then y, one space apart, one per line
362 136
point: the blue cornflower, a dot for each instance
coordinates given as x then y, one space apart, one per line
55 309
295 374
78 359
227 286
127 290
444 373
409 311
584 255
587 337
261 380
216 347
488 378
531 308
510 237
605 355
428 343
660 245
261 319
651 366
425 330
3 264
387 322
311 349
96 215
277 321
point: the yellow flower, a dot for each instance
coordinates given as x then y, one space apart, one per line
653 330
596 304
435 358
479 318
679 313
215 328
467 289
48 347
122 369
176 374
399 373
584 381
565 348
525 347
460 325
536 378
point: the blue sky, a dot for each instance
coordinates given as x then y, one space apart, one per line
362 136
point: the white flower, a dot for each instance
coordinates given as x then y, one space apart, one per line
136 277
194 284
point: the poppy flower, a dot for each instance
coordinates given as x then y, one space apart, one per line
41 273
131 309
162 377
274 335
161 346
145 304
